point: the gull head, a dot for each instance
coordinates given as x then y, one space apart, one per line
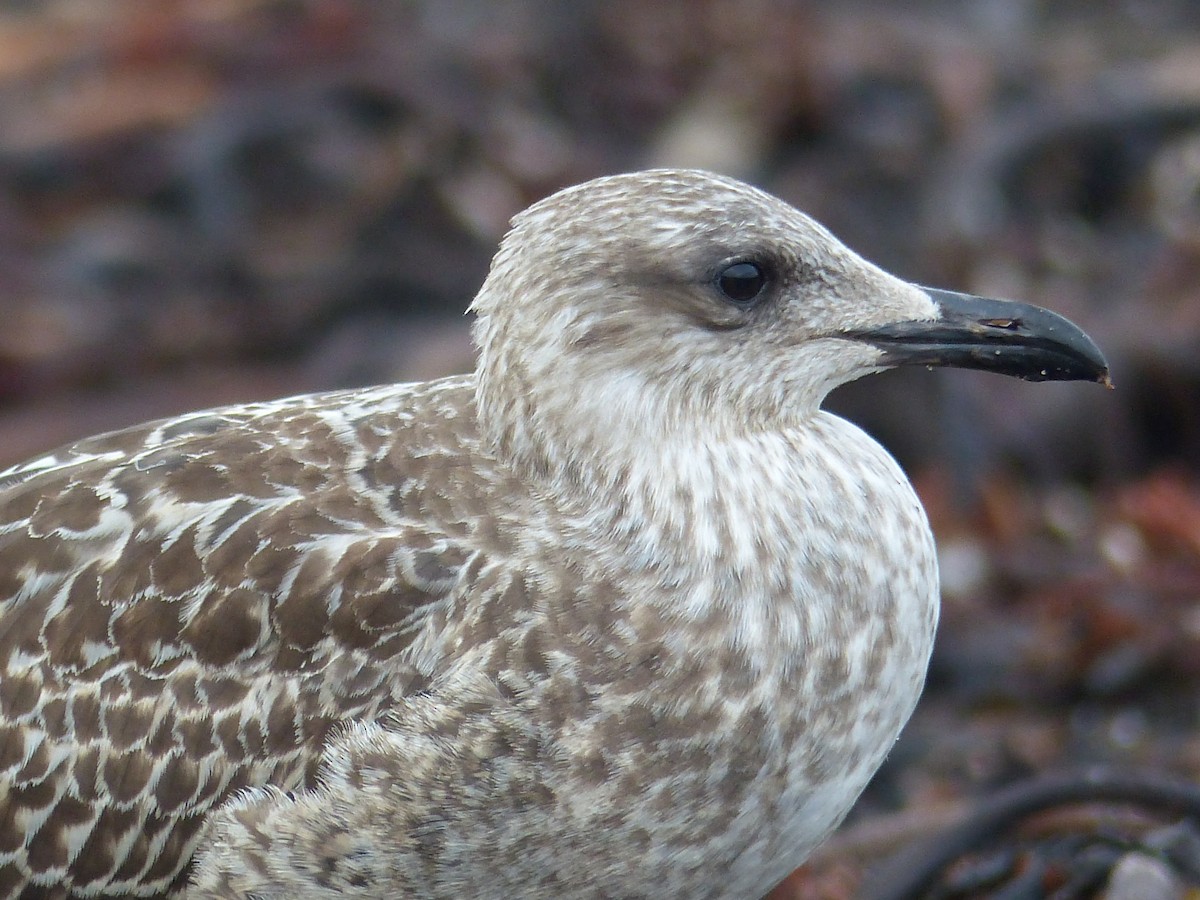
671 302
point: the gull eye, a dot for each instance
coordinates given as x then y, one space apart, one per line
742 282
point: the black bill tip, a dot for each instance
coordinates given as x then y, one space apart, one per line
1002 336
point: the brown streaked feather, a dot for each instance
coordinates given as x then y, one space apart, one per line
188 607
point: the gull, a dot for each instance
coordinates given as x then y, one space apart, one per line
622 613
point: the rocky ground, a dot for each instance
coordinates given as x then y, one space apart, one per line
203 202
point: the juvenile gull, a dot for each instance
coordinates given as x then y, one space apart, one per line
621 614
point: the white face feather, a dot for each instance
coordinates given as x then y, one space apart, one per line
602 318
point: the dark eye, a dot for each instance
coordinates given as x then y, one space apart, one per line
742 281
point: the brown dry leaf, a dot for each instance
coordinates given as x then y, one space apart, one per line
28 47
1166 508
834 881
106 104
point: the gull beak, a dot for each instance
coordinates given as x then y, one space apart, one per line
993 335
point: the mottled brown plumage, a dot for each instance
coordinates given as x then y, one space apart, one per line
621 614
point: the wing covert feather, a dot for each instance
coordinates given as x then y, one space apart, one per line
188 607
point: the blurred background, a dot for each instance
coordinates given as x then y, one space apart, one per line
223 200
